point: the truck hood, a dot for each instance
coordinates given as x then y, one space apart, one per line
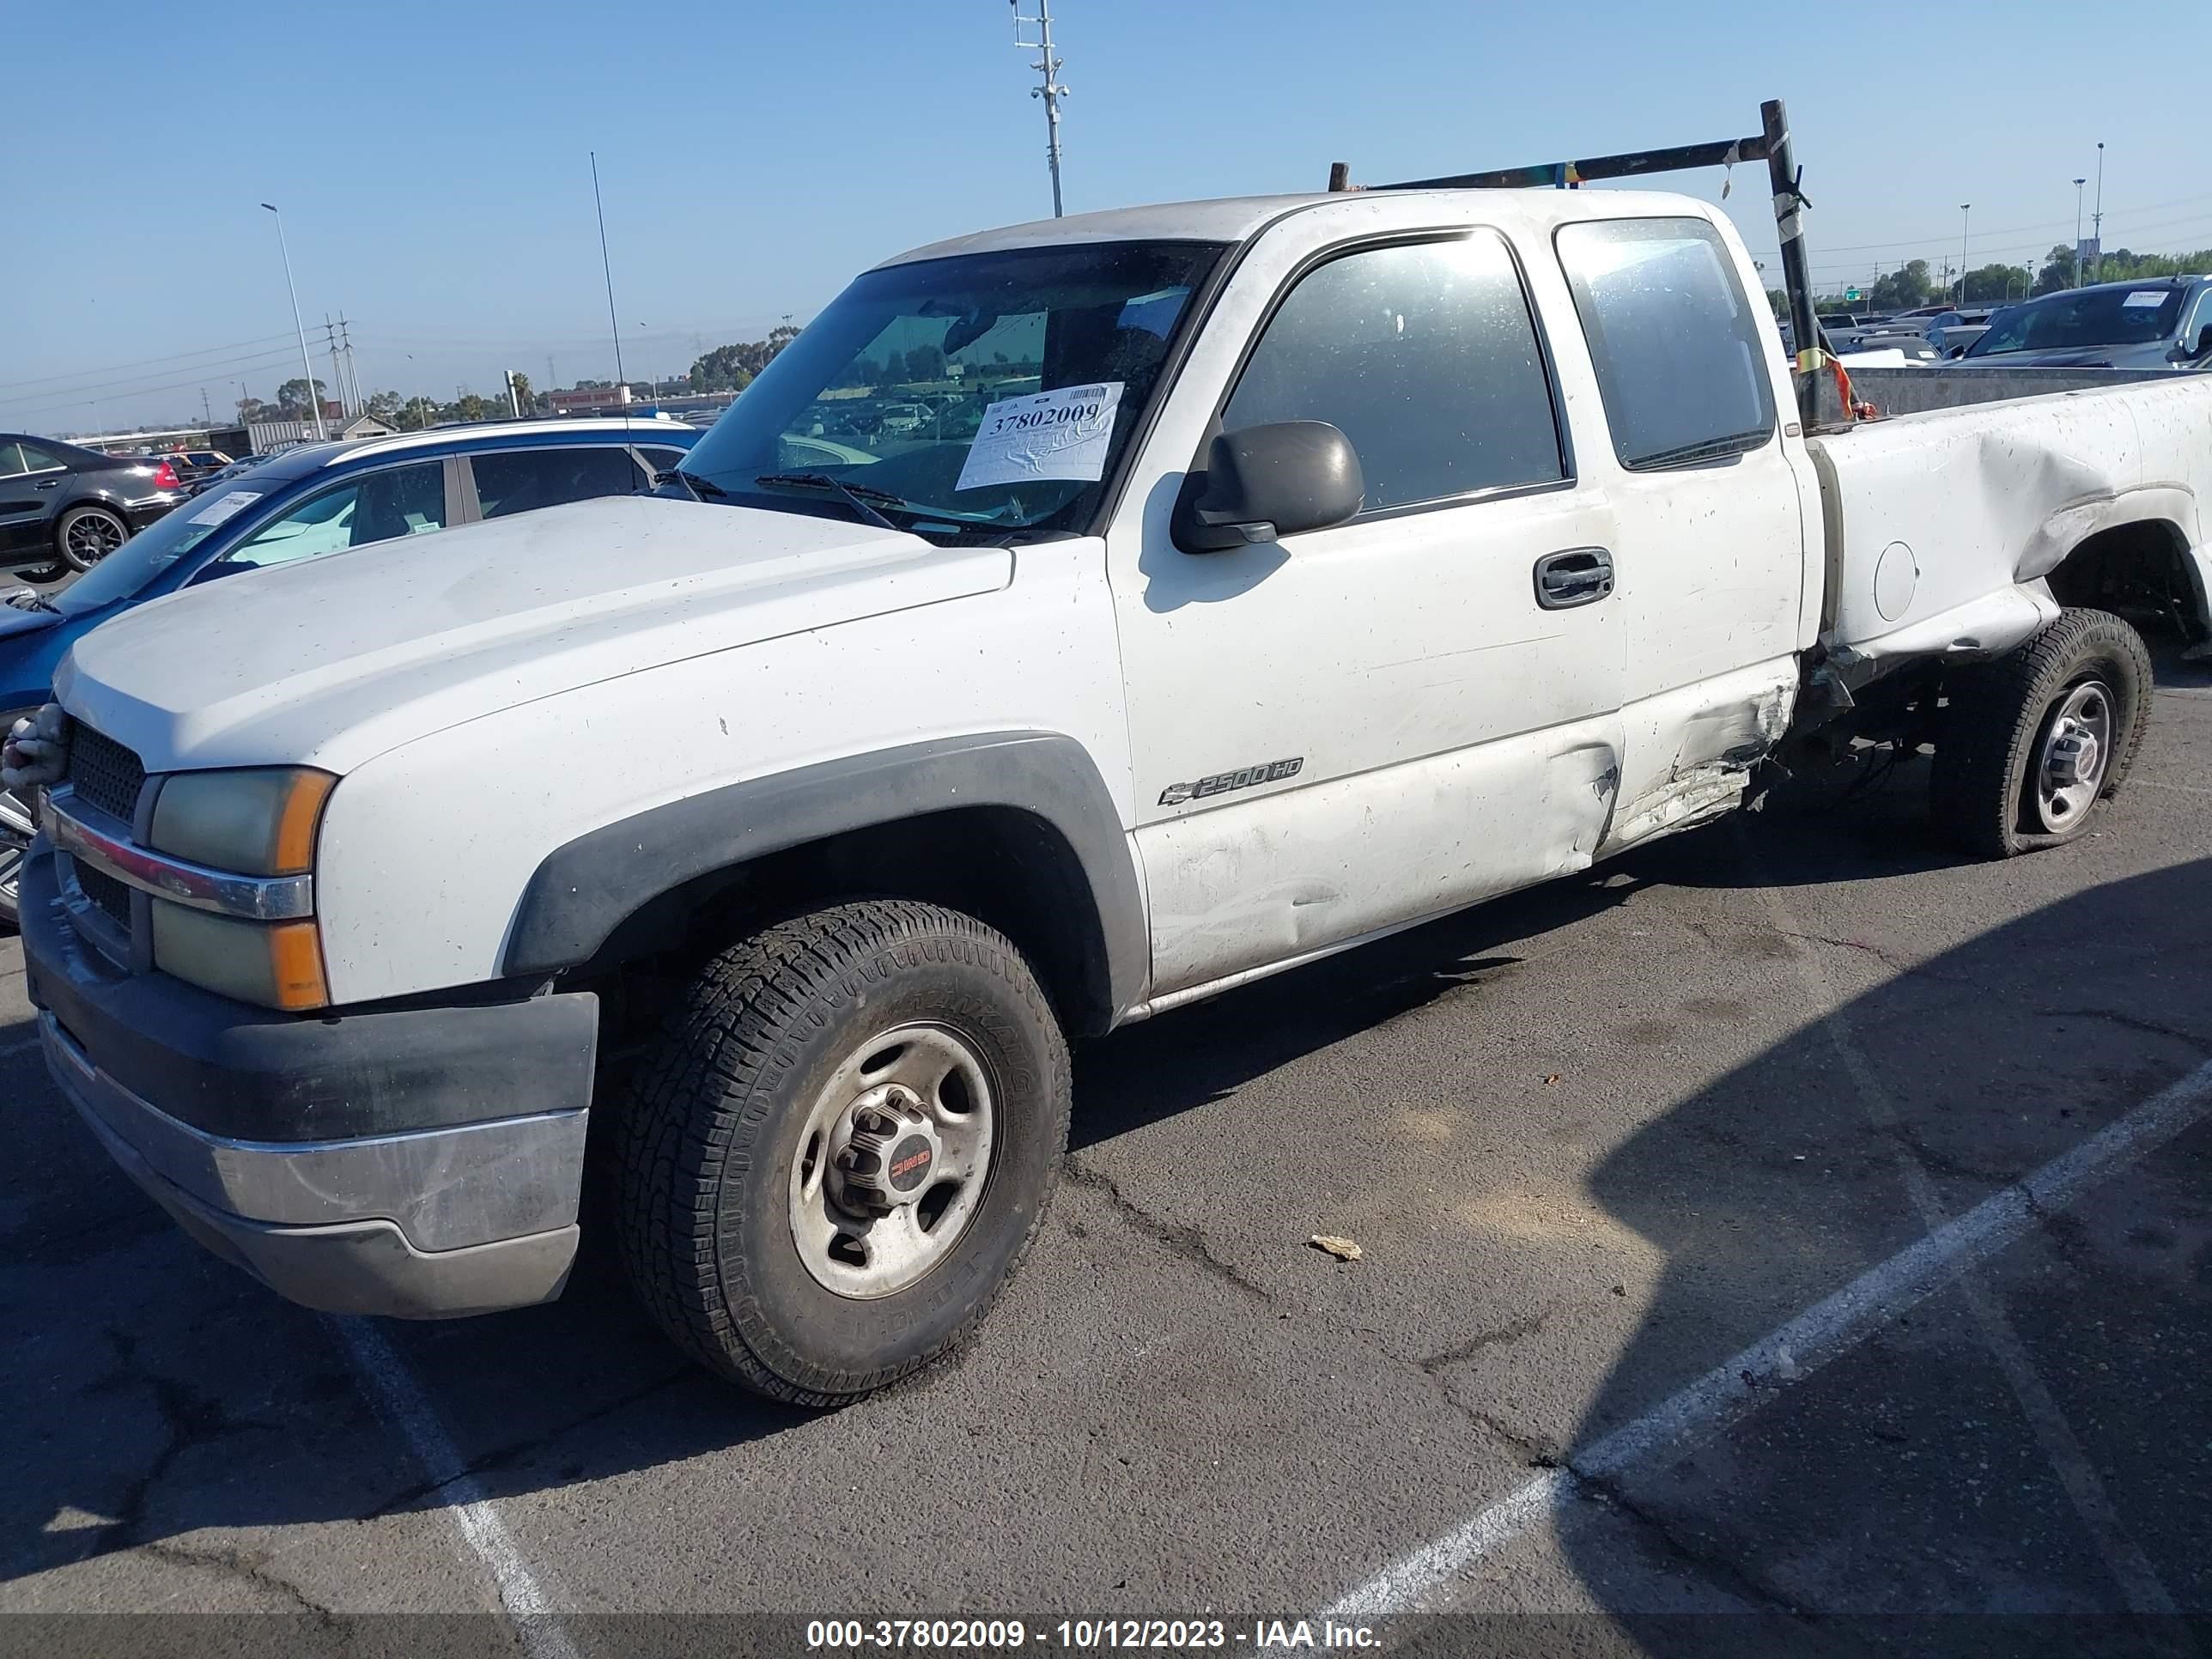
332 662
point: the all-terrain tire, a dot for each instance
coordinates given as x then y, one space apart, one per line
1983 784
707 1146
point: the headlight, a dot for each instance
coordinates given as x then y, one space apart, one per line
256 822
274 964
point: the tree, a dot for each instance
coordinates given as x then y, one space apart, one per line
732 368
1901 290
925 362
293 398
2058 271
416 413
384 405
1993 285
524 399
473 408
250 409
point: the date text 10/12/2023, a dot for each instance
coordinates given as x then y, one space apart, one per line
1167 1634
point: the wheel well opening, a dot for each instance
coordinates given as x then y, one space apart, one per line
2139 571
1006 867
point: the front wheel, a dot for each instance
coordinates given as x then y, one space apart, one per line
843 1147
86 535
2031 742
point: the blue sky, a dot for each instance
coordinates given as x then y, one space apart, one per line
431 159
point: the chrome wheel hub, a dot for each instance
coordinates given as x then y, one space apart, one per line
93 538
893 1160
2075 752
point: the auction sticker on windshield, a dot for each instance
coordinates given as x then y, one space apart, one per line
224 507
1062 433
2147 296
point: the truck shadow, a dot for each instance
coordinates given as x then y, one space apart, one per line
1907 1481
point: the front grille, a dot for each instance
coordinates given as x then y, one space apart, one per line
105 774
104 891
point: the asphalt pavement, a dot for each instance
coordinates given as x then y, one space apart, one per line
1788 1238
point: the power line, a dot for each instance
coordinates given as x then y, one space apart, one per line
62 396
2010 230
148 362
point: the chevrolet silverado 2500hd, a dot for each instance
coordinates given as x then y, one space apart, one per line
1258 577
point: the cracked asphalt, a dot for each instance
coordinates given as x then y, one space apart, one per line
1593 1141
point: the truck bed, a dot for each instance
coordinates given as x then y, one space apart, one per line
1943 528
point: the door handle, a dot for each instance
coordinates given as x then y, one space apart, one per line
1580 576
48 483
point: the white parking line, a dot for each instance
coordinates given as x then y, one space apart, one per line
1734 1389
402 1401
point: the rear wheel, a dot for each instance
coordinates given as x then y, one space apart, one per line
2031 742
843 1147
86 535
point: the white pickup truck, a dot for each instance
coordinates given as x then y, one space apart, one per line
1267 576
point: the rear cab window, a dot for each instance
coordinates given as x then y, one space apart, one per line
1680 368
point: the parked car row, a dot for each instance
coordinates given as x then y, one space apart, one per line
2160 322
308 502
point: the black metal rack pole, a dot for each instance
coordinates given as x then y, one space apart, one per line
1789 204
1771 144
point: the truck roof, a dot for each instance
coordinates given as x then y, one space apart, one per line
1234 218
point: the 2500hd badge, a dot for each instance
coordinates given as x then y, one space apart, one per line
1222 782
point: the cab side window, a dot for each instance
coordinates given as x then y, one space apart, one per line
1680 369
1424 354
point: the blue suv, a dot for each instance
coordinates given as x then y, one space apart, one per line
307 502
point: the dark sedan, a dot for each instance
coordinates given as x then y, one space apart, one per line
2154 322
63 505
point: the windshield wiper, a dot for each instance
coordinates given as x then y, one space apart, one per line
858 496
700 488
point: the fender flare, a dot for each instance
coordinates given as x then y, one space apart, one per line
584 889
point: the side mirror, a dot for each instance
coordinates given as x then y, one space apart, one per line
2190 351
1266 482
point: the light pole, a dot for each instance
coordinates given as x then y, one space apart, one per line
306 363
2097 218
1051 91
2076 260
1964 208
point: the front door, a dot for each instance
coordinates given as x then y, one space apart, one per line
30 479
1360 726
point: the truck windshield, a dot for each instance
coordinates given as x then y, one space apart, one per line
982 394
2092 317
